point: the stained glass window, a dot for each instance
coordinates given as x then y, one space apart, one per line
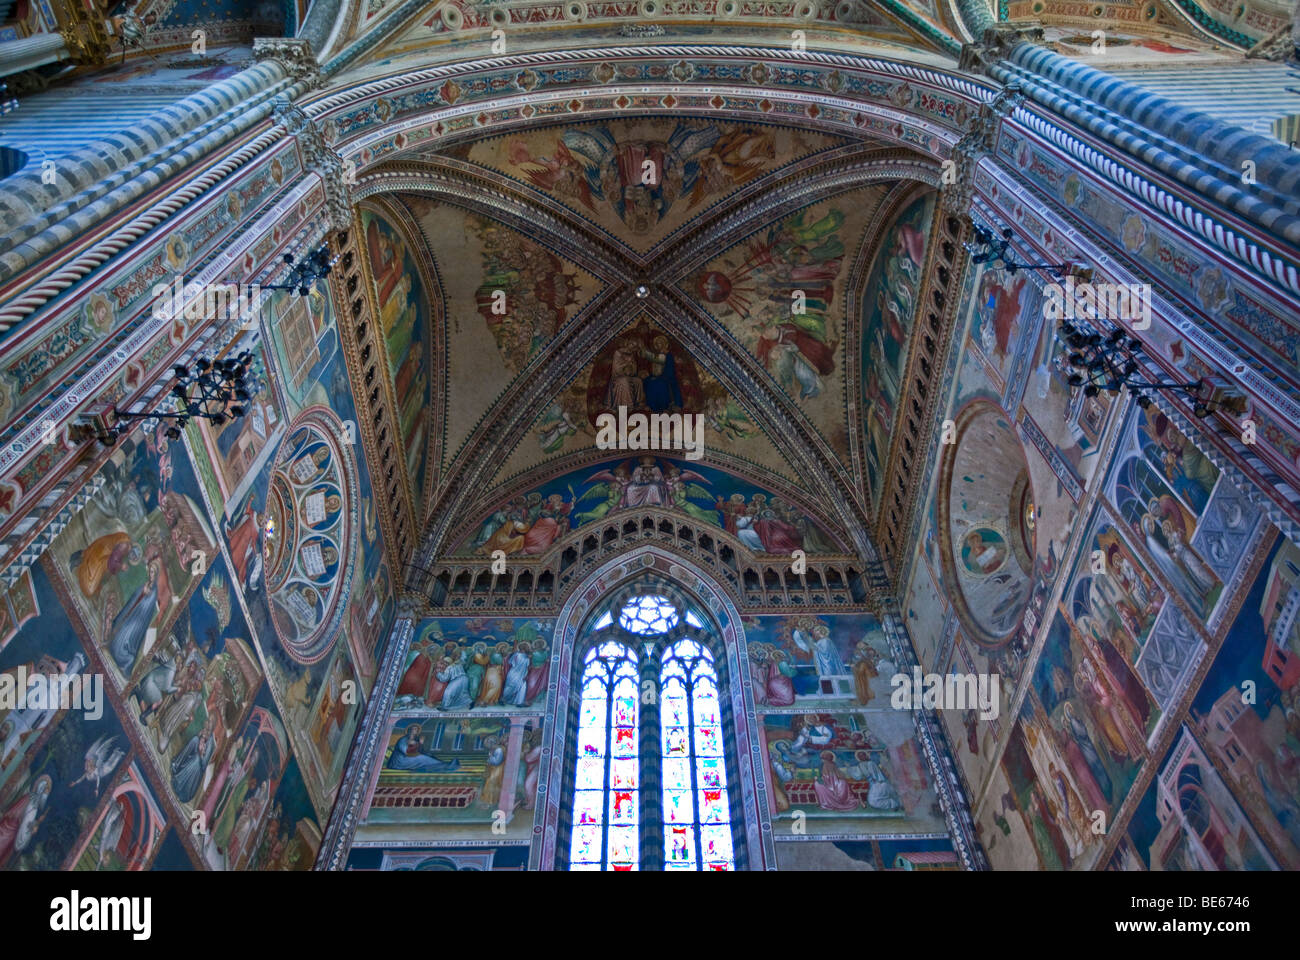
697 815
606 819
688 796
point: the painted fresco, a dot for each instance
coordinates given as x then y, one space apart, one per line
654 374
1258 321
918 855
494 665
1070 424
642 179
404 317
848 773
1085 723
127 832
59 768
540 291
306 551
972 736
1222 798
830 661
1245 715
504 297
1112 599
457 778
781 294
529 523
985 520
889 309
1058 834
134 556
1192 526
1165 528
646 371
1002 309
291 837
306 345
177 583
1188 820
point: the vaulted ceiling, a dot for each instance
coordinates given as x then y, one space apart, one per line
780 263
550 256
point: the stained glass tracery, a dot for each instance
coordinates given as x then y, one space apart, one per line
648 615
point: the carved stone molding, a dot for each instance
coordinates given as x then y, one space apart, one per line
979 141
318 157
920 402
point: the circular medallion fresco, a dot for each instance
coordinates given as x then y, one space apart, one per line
986 537
312 502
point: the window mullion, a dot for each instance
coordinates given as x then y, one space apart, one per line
652 759
609 765
695 786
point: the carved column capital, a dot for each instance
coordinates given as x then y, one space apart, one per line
996 45
295 54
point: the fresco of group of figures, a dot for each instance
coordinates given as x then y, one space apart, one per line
463 758
486 664
1224 795
646 370
465 748
529 523
781 294
1227 795
232 591
1159 566
600 169
820 660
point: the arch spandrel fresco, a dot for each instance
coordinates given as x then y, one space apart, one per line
529 519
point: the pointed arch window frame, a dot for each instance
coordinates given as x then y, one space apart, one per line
694 623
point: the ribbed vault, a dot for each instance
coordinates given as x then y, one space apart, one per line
865 171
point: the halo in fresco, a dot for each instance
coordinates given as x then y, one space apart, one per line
311 501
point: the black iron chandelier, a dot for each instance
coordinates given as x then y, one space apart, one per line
1111 362
304 273
995 250
212 390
